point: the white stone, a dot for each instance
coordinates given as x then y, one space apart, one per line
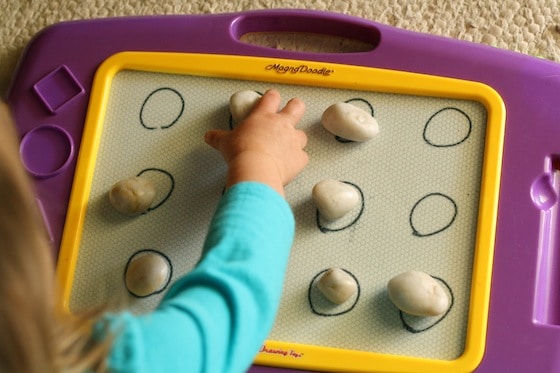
417 293
132 196
334 199
146 274
337 285
241 103
349 122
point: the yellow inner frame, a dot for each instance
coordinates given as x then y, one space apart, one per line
317 74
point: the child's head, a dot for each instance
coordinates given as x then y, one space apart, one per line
35 337
26 271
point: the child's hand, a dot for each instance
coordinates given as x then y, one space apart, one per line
265 147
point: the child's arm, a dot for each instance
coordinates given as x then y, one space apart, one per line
215 318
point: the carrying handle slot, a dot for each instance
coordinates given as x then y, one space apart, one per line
315 33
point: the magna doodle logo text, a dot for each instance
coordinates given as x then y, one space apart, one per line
301 69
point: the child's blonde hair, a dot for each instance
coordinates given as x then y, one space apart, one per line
35 336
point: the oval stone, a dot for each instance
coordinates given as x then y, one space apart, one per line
241 103
132 196
147 274
417 293
334 199
349 122
337 285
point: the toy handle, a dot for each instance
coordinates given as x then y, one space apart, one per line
391 47
306 22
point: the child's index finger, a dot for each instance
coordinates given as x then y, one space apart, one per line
269 102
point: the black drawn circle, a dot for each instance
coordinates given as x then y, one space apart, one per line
411 329
319 313
166 197
460 141
342 139
364 101
324 229
182 109
168 277
415 232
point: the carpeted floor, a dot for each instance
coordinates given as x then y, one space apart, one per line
525 26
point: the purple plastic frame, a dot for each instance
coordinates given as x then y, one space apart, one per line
524 321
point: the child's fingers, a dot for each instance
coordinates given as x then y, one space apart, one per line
269 102
214 138
302 138
295 108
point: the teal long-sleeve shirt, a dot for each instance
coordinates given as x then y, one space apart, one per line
215 318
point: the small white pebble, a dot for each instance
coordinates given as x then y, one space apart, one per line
337 285
334 199
241 103
417 293
349 122
146 274
132 196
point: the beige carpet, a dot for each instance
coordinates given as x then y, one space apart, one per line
525 26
